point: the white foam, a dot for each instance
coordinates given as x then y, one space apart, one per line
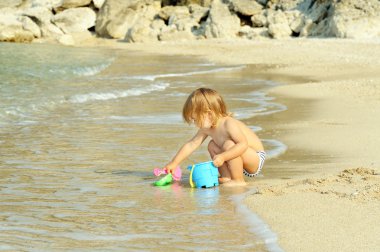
278 149
150 119
92 70
82 98
154 77
80 70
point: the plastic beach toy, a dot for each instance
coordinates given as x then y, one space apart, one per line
168 179
203 175
191 176
177 173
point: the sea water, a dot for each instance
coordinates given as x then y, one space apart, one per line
81 130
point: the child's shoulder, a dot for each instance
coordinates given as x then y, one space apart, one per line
229 120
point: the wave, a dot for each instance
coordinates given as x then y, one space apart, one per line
150 119
82 98
92 70
264 106
276 148
80 70
169 75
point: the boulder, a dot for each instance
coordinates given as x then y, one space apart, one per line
278 26
48 4
176 11
246 7
260 19
198 12
296 20
66 4
29 25
253 33
13 28
262 2
286 5
10 3
66 39
42 17
357 19
75 19
175 35
142 31
116 17
157 25
221 23
98 3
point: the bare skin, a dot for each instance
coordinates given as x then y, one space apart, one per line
233 146
236 144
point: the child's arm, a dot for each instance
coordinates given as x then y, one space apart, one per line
186 150
241 144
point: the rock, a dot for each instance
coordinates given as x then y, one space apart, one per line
246 7
75 19
116 17
9 3
285 5
98 3
12 28
204 3
221 23
316 11
175 35
198 12
320 29
169 11
29 25
356 19
48 4
307 28
295 20
253 33
142 32
278 25
66 39
42 17
158 25
262 2
260 19
66 4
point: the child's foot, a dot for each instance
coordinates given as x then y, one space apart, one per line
223 180
234 183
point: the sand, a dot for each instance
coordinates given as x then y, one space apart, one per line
333 98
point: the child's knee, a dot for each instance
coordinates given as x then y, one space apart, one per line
211 147
228 145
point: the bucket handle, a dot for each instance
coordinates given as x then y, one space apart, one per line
191 177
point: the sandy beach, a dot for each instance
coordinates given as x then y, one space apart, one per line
333 99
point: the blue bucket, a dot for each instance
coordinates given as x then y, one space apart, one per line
204 175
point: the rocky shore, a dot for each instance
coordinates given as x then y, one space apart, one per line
73 21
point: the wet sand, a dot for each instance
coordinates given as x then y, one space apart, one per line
332 201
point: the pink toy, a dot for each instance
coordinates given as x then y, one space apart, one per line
177 173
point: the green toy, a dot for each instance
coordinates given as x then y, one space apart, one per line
168 179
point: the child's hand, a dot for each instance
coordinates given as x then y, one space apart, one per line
218 160
170 168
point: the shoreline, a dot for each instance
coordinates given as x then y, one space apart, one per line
330 128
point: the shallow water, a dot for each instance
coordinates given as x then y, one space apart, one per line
80 133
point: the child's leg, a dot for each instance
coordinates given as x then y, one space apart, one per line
235 166
214 149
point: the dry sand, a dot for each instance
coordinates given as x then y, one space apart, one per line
334 109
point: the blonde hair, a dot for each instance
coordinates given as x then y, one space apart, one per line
200 102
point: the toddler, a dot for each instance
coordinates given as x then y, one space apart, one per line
234 148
